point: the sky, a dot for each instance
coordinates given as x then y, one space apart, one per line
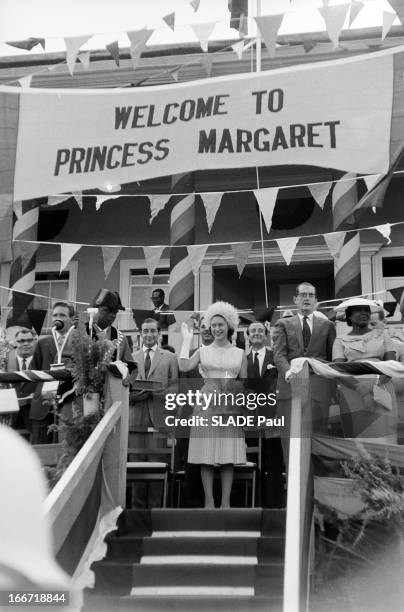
108 20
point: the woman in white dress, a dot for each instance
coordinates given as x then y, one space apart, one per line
220 364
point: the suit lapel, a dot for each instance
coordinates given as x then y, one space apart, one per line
139 358
314 334
298 331
265 362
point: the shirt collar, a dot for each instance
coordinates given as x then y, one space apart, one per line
149 348
261 350
301 317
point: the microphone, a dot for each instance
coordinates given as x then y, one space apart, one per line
58 325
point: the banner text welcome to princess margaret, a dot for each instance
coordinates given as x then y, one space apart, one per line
331 114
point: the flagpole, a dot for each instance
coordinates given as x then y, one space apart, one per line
258 43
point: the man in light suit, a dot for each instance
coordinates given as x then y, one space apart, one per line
147 408
44 356
262 377
304 335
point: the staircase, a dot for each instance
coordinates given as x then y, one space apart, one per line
183 560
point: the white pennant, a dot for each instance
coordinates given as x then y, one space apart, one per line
195 4
104 198
84 58
356 8
78 196
320 191
335 242
238 48
25 82
240 254
138 40
372 180
202 31
269 26
196 253
334 17
287 247
211 202
388 20
53 200
152 256
385 231
109 255
170 21
72 48
157 203
266 199
67 251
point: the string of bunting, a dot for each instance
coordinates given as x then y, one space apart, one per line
267 26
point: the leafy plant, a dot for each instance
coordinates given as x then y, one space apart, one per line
90 359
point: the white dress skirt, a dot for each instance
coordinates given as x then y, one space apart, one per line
212 444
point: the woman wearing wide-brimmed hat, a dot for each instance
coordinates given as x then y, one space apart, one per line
220 364
369 409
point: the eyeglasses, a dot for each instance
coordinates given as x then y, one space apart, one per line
307 295
22 341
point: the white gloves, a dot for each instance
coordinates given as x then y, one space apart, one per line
187 337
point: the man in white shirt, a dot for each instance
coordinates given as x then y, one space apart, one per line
20 359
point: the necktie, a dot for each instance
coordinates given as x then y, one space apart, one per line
306 333
24 364
147 363
256 366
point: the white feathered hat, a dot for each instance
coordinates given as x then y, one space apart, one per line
225 310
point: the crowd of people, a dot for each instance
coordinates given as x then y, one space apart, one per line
368 406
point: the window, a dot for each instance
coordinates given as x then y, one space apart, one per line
141 287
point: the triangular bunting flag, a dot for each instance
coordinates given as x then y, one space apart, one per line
138 40
356 8
196 253
269 25
113 49
398 294
73 45
78 196
390 307
195 4
240 254
157 203
398 7
53 200
308 45
211 202
372 180
207 61
287 247
388 20
335 242
320 191
174 73
202 31
37 317
334 17
28 44
266 199
152 256
25 82
67 251
100 199
109 255
84 58
170 20
238 48
385 231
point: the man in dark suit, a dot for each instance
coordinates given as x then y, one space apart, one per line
160 309
20 359
147 408
304 335
45 354
262 377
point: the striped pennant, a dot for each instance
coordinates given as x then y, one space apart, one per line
347 267
182 231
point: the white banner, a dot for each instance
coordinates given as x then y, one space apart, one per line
323 114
